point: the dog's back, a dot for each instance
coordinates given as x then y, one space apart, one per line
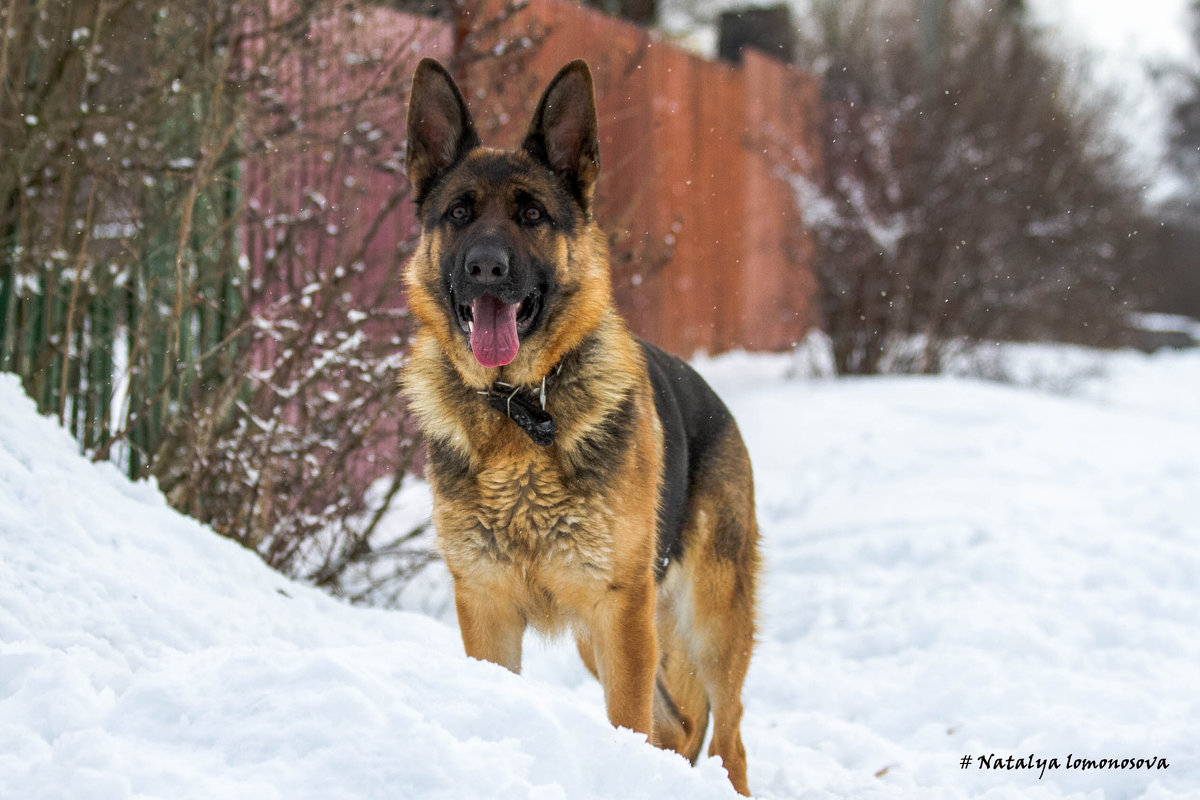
694 421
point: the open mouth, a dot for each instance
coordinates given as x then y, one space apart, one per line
527 311
494 327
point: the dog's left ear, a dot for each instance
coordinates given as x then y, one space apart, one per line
563 133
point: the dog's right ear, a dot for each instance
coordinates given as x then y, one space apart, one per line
440 130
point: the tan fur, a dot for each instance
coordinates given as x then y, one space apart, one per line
539 536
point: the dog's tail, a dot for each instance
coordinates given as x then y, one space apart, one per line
680 700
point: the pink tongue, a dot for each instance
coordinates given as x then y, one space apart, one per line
494 335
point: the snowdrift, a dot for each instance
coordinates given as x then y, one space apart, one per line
143 656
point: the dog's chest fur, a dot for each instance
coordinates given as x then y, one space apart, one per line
521 510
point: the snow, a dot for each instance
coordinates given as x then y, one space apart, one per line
953 567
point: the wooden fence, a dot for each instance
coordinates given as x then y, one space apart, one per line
709 250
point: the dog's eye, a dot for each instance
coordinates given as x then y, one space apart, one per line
459 212
532 214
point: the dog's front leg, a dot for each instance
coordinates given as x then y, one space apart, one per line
626 646
491 629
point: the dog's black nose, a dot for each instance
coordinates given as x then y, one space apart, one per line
487 263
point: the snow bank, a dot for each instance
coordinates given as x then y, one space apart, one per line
143 656
964 568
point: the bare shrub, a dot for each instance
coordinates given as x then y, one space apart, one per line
202 225
965 190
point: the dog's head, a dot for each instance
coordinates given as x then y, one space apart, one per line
511 268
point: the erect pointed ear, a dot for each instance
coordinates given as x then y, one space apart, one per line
563 132
440 130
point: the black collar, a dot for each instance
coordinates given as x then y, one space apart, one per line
527 408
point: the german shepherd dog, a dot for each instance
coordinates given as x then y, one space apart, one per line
583 480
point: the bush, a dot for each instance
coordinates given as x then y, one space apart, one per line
965 192
202 226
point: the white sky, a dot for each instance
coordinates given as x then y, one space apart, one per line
1145 28
1122 41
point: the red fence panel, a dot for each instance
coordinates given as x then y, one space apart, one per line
709 250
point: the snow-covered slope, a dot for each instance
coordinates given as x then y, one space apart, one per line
142 656
953 568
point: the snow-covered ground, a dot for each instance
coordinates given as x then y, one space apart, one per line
953 568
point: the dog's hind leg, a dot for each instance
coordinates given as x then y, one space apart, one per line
722 667
721 641
720 570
